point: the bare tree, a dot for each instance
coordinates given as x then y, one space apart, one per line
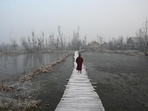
75 42
142 32
120 42
112 44
100 39
14 44
33 39
25 45
42 41
5 47
139 33
145 34
60 37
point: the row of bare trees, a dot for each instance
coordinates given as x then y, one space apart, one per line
42 43
12 46
33 43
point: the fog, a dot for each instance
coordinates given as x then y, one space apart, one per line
91 17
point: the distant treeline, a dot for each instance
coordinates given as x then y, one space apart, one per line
35 43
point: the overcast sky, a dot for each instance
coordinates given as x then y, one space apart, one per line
106 18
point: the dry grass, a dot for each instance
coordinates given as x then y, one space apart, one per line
6 87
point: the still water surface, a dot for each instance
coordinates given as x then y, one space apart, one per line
13 65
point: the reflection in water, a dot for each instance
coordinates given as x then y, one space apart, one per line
13 65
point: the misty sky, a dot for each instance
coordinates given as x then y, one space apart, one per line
106 18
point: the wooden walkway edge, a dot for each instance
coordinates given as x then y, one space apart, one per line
79 94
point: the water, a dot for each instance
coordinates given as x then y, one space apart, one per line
12 66
121 80
117 63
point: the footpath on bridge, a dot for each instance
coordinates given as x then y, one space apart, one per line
79 94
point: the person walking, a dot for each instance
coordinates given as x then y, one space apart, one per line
79 62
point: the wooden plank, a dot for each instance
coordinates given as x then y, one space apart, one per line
79 94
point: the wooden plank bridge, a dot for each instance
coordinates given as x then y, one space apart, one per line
79 94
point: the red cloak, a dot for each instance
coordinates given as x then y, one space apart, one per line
79 62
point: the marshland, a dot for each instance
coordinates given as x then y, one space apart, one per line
37 44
